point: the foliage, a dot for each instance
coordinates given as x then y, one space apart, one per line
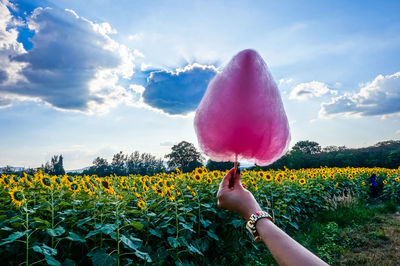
55 167
221 166
184 156
123 164
308 154
335 231
307 147
164 218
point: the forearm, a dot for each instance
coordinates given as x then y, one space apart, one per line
285 250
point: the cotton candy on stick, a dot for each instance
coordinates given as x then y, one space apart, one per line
241 115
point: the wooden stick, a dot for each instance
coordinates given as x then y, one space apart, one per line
231 181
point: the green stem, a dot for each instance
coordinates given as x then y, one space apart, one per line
102 207
117 234
27 238
52 217
176 219
198 226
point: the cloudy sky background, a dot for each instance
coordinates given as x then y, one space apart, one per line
91 78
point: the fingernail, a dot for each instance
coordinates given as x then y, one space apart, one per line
238 171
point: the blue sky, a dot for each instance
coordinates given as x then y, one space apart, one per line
91 78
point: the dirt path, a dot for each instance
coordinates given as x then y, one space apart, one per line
375 244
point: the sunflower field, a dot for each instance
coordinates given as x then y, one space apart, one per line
170 219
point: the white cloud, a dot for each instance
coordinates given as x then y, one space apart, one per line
285 82
307 90
135 37
74 65
168 143
380 97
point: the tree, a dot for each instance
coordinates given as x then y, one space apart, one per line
55 167
221 166
118 163
185 157
307 147
133 163
100 167
7 170
333 148
143 164
58 165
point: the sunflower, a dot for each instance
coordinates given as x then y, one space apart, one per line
93 182
74 188
209 181
215 174
302 181
169 194
158 190
197 177
268 177
397 179
324 177
124 184
199 171
141 204
6 181
107 186
292 178
261 174
17 196
28 180
15 178
384 182
87 187
191 190
178 172
46 182
363 183
278 179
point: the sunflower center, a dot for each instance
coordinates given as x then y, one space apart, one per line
18 195
105 184
46 181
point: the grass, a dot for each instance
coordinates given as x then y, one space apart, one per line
357 233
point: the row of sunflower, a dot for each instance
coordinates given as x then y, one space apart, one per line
163 218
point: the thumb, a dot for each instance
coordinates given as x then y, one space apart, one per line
228 176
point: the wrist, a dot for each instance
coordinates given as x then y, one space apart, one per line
254 220
251 211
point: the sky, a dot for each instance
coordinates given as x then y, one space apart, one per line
92 78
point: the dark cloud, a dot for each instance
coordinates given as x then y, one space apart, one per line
179 92
377 98
68 53
3 76
4 102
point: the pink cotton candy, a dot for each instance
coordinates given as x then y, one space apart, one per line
241 114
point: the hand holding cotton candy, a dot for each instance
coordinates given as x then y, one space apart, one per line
241 114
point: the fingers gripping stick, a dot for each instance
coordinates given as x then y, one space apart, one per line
235 173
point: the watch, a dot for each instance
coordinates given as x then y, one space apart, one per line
251 223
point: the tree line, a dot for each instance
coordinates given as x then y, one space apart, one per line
184 156
309 154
